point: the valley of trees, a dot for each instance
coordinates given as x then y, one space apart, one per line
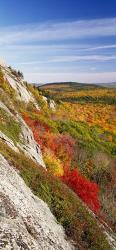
78 141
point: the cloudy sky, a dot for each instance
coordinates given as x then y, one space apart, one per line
68 40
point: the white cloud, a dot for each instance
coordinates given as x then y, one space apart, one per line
55 47
69 59
40 47
93 68
110 46
84 58
58 31
78 77
43 45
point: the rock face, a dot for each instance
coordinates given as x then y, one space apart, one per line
8 141
18 85
52 105
25 221
2 63
30 147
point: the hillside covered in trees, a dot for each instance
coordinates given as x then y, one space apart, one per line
57 166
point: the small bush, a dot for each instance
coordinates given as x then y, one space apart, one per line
85 189
53 164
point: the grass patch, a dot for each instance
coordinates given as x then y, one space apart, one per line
9 126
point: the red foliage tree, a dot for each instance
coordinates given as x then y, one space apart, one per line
63 148
38 128
86 190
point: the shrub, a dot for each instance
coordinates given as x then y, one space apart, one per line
6 86
37 96
86 190
16 73
53 164
1 77
64 147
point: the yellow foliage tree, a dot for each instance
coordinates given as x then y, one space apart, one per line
53 164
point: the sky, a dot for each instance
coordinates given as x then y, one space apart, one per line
60 40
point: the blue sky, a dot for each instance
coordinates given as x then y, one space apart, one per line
68 40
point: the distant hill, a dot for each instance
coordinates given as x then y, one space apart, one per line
108 85
75 92
68 86
78 85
